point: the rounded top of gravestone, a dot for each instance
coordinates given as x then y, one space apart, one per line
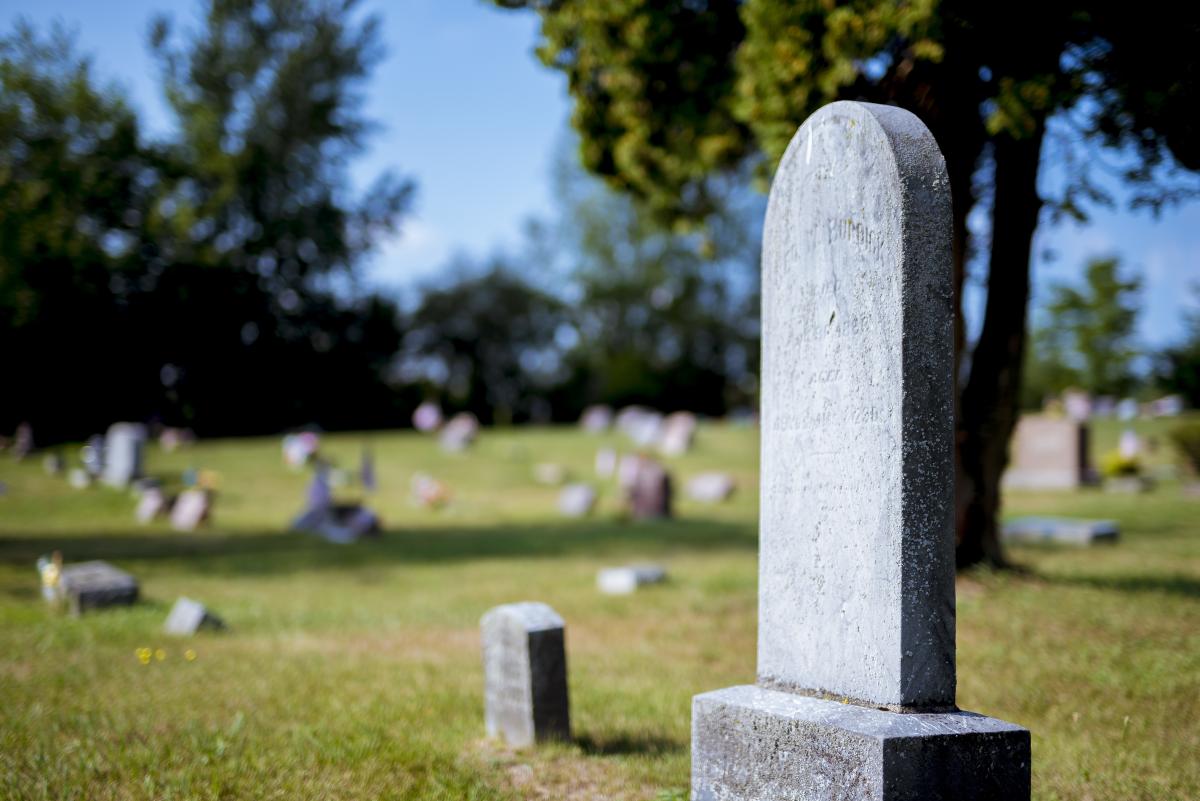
529 615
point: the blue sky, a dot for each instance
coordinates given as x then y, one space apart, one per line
467 110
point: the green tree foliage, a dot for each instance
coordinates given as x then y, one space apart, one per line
665 318
667 94
488 342
209 278
74 183
1087 337
637 314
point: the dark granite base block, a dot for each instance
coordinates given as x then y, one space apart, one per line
754 744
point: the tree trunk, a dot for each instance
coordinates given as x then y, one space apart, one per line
990 398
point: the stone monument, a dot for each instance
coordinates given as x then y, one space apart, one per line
525 674
188 616
855 696
123 446
95 585
1048 453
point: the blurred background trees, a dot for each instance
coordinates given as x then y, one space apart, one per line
1085 337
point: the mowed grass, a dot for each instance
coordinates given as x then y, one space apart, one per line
353 672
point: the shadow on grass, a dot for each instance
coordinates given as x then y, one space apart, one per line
1184 586
628 744
284 552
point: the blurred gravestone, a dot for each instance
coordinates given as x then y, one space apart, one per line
606 462
856 553
711 487
678 431
92 455
459 432
525 674
366 471
191 508
188 616
1063 530
54 464
648 492
123 447
596 419
95 585
152 504
79 478
1047 453
22 441
642 425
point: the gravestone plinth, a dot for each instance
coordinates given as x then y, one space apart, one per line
855 697
525 674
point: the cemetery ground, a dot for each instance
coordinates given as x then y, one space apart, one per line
354 671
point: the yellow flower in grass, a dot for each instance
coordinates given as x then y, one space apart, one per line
160 654
143 655
189 655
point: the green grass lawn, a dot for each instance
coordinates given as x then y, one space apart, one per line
354 671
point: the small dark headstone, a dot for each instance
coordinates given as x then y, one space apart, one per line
188 616
94 585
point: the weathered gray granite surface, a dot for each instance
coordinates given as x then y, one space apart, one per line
755 744
856 657
856 567
525 674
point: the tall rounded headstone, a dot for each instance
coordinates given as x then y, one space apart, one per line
856 662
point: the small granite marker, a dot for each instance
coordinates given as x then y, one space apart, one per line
188 616
525 674
95 585
856 565
1048 453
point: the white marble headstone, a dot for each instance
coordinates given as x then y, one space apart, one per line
856 565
